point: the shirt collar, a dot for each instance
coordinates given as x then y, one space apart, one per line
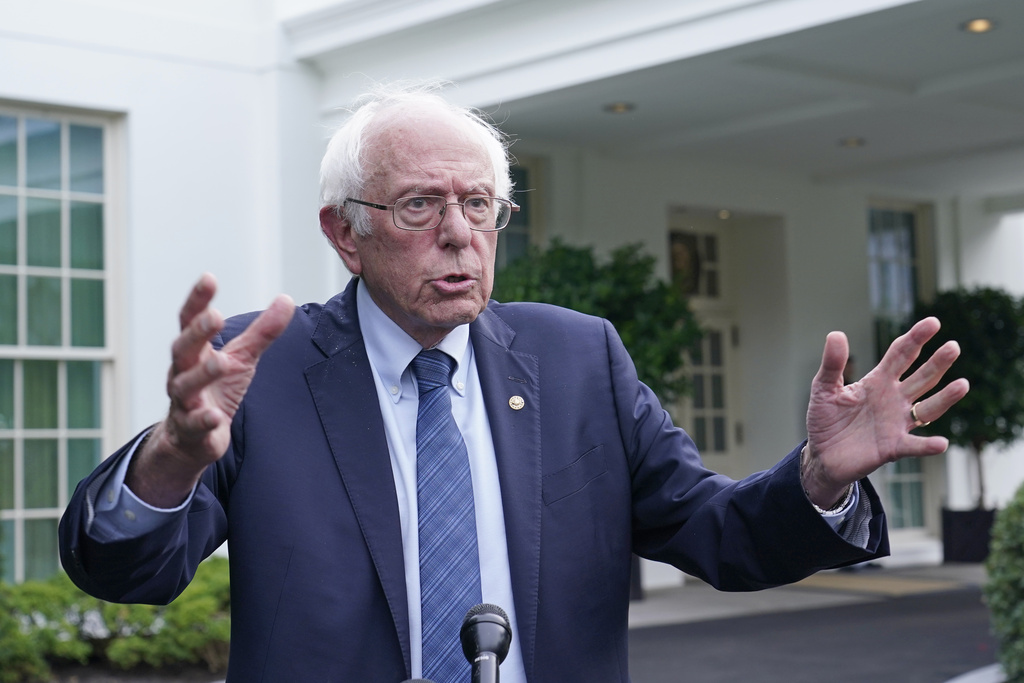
390 349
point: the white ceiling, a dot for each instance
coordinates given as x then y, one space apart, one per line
941 110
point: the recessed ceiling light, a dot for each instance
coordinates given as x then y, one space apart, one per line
619 107
979 25
724 214
852 142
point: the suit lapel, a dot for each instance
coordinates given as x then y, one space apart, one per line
346 399
510 383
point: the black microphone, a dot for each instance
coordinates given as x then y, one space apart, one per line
485 635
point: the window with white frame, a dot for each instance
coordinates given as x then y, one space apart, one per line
55 356
525 227
896 234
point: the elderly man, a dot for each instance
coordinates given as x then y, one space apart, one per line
410 448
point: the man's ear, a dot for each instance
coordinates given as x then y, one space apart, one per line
339 232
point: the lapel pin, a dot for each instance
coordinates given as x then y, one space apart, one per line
516 403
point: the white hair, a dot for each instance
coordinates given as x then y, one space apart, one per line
343 173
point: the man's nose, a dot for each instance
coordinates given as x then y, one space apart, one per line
454 227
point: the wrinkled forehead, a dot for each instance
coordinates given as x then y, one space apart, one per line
410 140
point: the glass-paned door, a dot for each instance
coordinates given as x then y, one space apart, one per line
54 352
698 259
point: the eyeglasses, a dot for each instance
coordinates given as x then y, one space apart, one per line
484 214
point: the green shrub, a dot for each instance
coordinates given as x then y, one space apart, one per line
193 629
653 319
20 659
52 622
1004 589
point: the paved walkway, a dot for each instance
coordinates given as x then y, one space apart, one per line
696 601
869 589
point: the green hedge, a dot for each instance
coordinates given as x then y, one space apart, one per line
1004 589
43 623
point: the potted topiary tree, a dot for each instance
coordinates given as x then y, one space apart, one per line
989 326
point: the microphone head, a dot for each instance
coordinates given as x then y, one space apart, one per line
485 629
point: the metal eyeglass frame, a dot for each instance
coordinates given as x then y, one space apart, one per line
513 208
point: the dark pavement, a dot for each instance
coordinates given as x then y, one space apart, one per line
931 634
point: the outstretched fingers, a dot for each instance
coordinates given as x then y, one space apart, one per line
198 299
926 377
936 405
833 360
263 331
905 349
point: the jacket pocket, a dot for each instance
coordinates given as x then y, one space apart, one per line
572 478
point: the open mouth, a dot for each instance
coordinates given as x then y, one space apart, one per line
455 278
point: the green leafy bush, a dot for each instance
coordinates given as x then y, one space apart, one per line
1004 589
53 622
654 321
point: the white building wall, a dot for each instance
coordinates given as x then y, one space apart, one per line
992 254
216 138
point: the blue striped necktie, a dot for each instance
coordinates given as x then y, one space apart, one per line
449 563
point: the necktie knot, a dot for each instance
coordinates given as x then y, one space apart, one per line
432 368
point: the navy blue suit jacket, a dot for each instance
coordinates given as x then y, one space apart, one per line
590 470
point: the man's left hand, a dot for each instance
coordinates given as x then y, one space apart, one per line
853 429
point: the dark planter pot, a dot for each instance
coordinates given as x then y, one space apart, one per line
636 588
966 534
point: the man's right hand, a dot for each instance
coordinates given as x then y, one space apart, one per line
205 386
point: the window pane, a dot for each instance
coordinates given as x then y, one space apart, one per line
8 150
6 393
718 425
915 504
512 245
87 312
907 466
700 433
40 548
715 343
86 145
83 457
44 311
717 392
8 229
86 235
697 354
8 309
83 394
42 146
40 473
40 394
6 474
698 390
7 550
711 283
43 232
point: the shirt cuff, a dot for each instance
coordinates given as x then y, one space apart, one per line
120 514
836 518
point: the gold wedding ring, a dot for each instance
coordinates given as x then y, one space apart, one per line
918 422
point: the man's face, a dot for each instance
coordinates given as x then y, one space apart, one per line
428 282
